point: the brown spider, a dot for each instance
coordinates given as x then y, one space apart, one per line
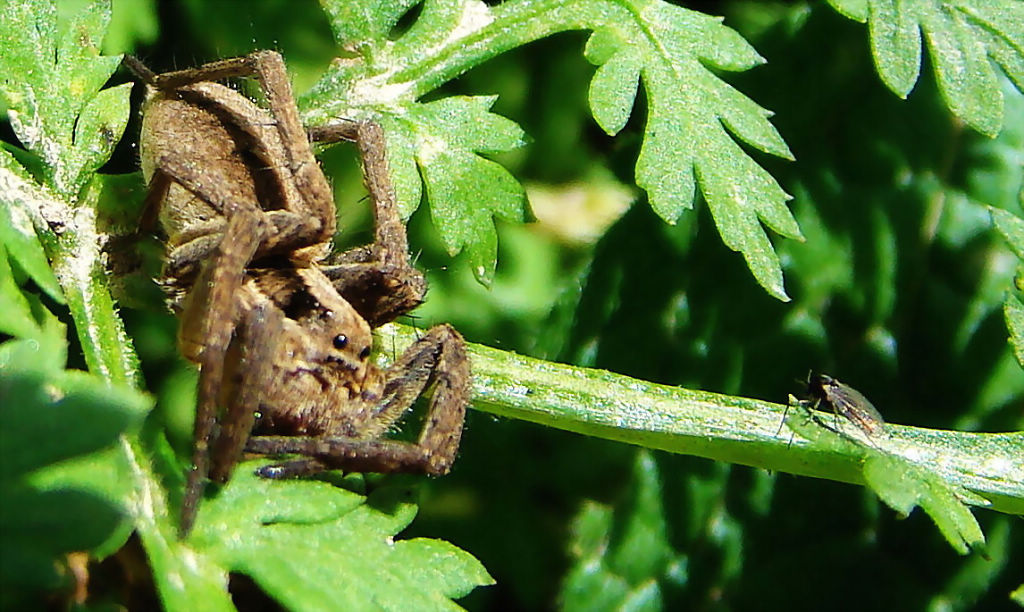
283 342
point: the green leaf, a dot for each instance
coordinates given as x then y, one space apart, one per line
692 119
615 83
59 114
45 350
319 546
48 419
1012 229
465 190
15 313
689 104
356 23
50 97
903 485
53 418
854 9
100 125
896 44
621 557
1013 311
17 231
1018 595
962 35
38 528
402 161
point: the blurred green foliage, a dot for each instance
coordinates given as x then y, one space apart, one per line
898 288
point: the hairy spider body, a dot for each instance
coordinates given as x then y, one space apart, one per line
283 342
232 144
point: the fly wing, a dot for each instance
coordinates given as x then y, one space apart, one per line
852 404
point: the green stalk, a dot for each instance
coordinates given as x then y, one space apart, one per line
721 427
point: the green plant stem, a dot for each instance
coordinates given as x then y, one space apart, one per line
721 427
77 261
182 576
108 350
514 24
487 34
74 249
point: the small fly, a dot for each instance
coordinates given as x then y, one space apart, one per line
825 392
845 401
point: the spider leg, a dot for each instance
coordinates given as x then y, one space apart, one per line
293 469
377 279
259 331
378 293
390 246
440 358
156 191
348 454
345 129
208 324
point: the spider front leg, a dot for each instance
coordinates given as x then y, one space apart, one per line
210 320
377 279
439 357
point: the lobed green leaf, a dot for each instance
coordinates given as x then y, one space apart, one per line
689 104
901 483
62 73
446 137
903 486
316 545
962 35
693 114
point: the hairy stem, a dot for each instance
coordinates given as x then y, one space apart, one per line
721 427
513 24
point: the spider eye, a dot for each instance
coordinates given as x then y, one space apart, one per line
363 354
340 341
